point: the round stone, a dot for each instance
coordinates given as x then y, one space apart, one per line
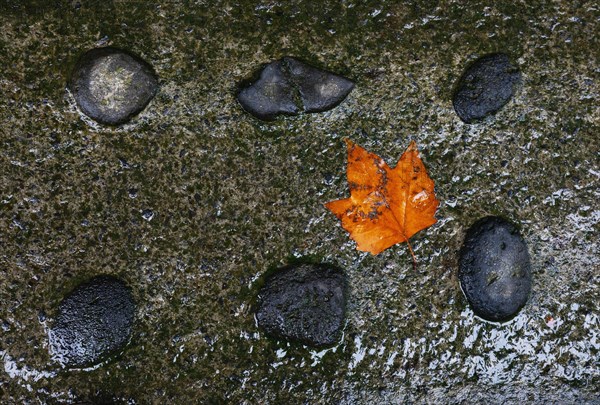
494 269
304 303
485 87
93 321
111 86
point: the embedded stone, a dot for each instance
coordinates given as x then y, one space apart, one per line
304 303
111 86
272 94
494 269
289 86
487 85
93 321
319 90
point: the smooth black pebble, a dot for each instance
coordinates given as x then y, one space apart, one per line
94 320
289 86
494 269
304 303
485 87
111 85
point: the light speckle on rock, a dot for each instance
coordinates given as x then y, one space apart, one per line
148 215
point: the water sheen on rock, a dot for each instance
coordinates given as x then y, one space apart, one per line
111 86
95 319
485 87
289 86
494 269
305 303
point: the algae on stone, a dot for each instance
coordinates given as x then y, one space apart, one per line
233 197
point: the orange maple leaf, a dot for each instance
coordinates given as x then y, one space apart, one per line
386 206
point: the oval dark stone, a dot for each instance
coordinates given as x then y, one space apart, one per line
494 269
111 85
289 86
94 320
305 303
485 87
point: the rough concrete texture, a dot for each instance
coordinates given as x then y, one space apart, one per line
194 200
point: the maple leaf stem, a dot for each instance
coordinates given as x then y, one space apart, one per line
412 253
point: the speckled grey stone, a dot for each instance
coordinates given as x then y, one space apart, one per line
305 303
494 269
486 85
111 85
93 321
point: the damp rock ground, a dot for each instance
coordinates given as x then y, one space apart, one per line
111 86
494 269
304 303
486 85
93 321
289 86
233 197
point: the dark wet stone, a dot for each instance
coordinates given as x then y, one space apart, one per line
319 90
289 86
111 86
485 87
93 321
272 94
305 303
494 269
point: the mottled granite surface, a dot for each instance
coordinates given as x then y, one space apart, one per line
193 201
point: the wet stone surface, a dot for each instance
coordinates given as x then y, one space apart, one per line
494 269
111 85
305 303
195 201
289 86
486 85
93 321
272 94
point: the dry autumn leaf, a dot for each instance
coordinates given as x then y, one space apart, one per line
386 206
